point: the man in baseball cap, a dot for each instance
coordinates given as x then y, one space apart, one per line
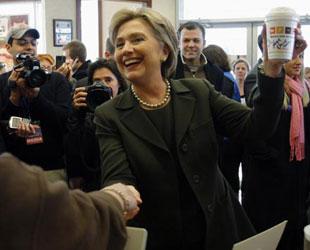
22 40
37 142
19 32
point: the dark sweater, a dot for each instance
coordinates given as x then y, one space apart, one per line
82 71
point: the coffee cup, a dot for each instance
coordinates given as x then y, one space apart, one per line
307 237
280 27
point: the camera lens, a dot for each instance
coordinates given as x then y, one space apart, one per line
96 95
36 78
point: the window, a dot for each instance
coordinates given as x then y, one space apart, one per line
30 13
235 25
90 30
223 9
232 40
89 21
306 34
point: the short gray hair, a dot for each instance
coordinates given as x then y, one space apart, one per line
163 31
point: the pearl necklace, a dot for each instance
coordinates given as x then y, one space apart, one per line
151 105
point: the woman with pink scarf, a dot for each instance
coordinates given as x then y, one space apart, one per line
277 188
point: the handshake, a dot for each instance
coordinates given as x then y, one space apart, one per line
128 197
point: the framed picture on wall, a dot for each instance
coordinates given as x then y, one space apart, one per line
62 30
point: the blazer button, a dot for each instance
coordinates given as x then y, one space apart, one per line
192 134
184 147
196 178
210 208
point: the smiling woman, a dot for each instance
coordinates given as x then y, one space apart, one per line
138 54
160 136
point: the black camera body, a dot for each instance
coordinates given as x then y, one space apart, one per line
33 74
97 93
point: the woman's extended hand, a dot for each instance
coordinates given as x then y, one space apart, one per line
128 197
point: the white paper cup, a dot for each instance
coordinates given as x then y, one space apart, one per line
307 237
280 25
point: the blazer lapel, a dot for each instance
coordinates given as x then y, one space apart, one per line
183 104
137 121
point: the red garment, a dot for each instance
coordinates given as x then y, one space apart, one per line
297 133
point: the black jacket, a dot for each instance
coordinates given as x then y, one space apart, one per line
133 152
278 189
82 71
50 109
250 82
81 147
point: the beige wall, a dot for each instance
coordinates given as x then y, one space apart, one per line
65 9
166 8
57 9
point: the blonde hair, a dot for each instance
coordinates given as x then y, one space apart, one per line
241 60
46 57
162 30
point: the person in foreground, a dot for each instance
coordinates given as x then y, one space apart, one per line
38 214
160 136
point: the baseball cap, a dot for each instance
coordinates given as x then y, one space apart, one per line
19 32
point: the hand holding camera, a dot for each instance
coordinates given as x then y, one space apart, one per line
91 96
79 98
20 88
26 78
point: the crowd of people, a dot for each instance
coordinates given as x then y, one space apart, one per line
151 136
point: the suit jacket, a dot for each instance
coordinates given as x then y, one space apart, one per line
250 81
133 152
37 214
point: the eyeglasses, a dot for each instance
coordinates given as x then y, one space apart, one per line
24 42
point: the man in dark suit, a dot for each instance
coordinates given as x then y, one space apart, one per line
251 78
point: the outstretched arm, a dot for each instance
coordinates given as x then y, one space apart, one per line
35 213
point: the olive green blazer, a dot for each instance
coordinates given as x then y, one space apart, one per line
132 151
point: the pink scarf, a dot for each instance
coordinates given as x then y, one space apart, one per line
297 133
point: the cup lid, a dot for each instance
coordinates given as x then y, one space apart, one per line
282 12
307 232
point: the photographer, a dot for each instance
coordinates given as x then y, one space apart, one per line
81 146
42 100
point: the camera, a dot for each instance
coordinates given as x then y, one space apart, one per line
60 60
33 74
97 93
